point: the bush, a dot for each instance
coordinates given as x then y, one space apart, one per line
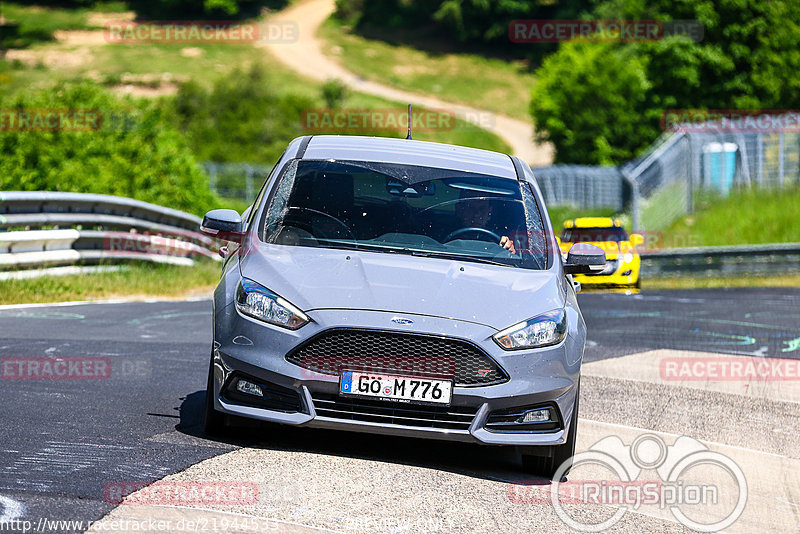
134 153
593 115
205 9
242 118
747 59
334 92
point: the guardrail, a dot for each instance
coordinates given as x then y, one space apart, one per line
723 261
100 229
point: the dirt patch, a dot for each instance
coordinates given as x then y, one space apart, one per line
405 70
145 91
101 19
192 51
52 58
80 37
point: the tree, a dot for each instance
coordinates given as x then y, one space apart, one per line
593 115
130 150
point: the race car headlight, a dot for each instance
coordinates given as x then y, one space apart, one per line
628 257
260 303
547 329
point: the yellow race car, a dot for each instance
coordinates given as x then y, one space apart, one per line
623 262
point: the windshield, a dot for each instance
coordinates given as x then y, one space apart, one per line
405 209
585 235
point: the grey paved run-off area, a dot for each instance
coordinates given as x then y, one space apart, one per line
65 443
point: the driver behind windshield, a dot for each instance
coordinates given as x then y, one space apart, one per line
477 213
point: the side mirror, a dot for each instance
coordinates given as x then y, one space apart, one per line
584 258
636 239
224 224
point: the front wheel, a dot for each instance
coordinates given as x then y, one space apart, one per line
547 466
213 421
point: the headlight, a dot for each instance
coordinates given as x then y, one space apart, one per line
547 329
628 257
258 302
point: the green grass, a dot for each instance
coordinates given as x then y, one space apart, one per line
485 83
139 280
788 280
113 63
746 217
38 23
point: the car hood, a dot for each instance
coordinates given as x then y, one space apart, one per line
317 278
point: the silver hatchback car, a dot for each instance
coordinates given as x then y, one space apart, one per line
404 288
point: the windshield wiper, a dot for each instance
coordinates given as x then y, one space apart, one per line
464 257
421 253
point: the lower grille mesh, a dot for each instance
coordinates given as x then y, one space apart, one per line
336 350
355 409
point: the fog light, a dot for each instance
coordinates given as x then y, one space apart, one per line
248 387
535 416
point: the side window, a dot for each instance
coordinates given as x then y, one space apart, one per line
257 203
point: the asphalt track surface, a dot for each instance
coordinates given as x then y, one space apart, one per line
64 442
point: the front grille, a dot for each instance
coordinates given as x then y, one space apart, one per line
387 412
336 350
610 268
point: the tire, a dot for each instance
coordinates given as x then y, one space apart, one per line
546 466
213 421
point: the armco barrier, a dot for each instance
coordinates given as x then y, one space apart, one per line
45 229
723 261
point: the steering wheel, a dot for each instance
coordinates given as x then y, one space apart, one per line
465 230
328 215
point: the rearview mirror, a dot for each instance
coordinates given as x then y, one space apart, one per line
637 239
224 224
584 258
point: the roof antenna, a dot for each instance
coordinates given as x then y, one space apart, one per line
409 123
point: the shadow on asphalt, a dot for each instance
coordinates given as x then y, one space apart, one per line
485 462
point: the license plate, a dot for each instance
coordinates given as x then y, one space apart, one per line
397 388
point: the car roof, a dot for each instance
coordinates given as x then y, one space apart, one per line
410 152
593 222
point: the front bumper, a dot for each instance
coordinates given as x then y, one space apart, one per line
624 274
536 377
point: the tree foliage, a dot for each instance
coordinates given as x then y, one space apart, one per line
241 118
134 153
205 9
593 115
747 59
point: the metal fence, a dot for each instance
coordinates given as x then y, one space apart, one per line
723 261
660 186
708 157
53 229
582 186
236 180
